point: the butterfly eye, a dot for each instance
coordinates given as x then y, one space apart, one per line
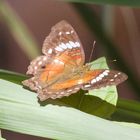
43 67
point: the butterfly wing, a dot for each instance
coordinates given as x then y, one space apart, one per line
62 42
36 66
87 80
63 38
104 78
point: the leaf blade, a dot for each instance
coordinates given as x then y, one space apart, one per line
54 121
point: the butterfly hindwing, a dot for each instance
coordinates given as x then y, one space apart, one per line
104 78
91 79
46 94
87 80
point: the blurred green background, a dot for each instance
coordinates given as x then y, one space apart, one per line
25 24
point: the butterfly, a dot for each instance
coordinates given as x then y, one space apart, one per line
60 71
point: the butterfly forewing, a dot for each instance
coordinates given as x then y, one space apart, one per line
63 38
36 66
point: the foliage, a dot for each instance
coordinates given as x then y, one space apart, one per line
66 118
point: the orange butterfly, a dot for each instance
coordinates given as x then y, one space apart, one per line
61 70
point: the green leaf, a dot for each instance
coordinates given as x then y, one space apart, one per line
99 63
108 94
113 2
20 111
2 139
129 105
127 110
133 125
89 104
12 76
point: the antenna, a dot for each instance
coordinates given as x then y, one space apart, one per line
92 51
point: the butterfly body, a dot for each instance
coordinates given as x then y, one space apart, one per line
61 70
